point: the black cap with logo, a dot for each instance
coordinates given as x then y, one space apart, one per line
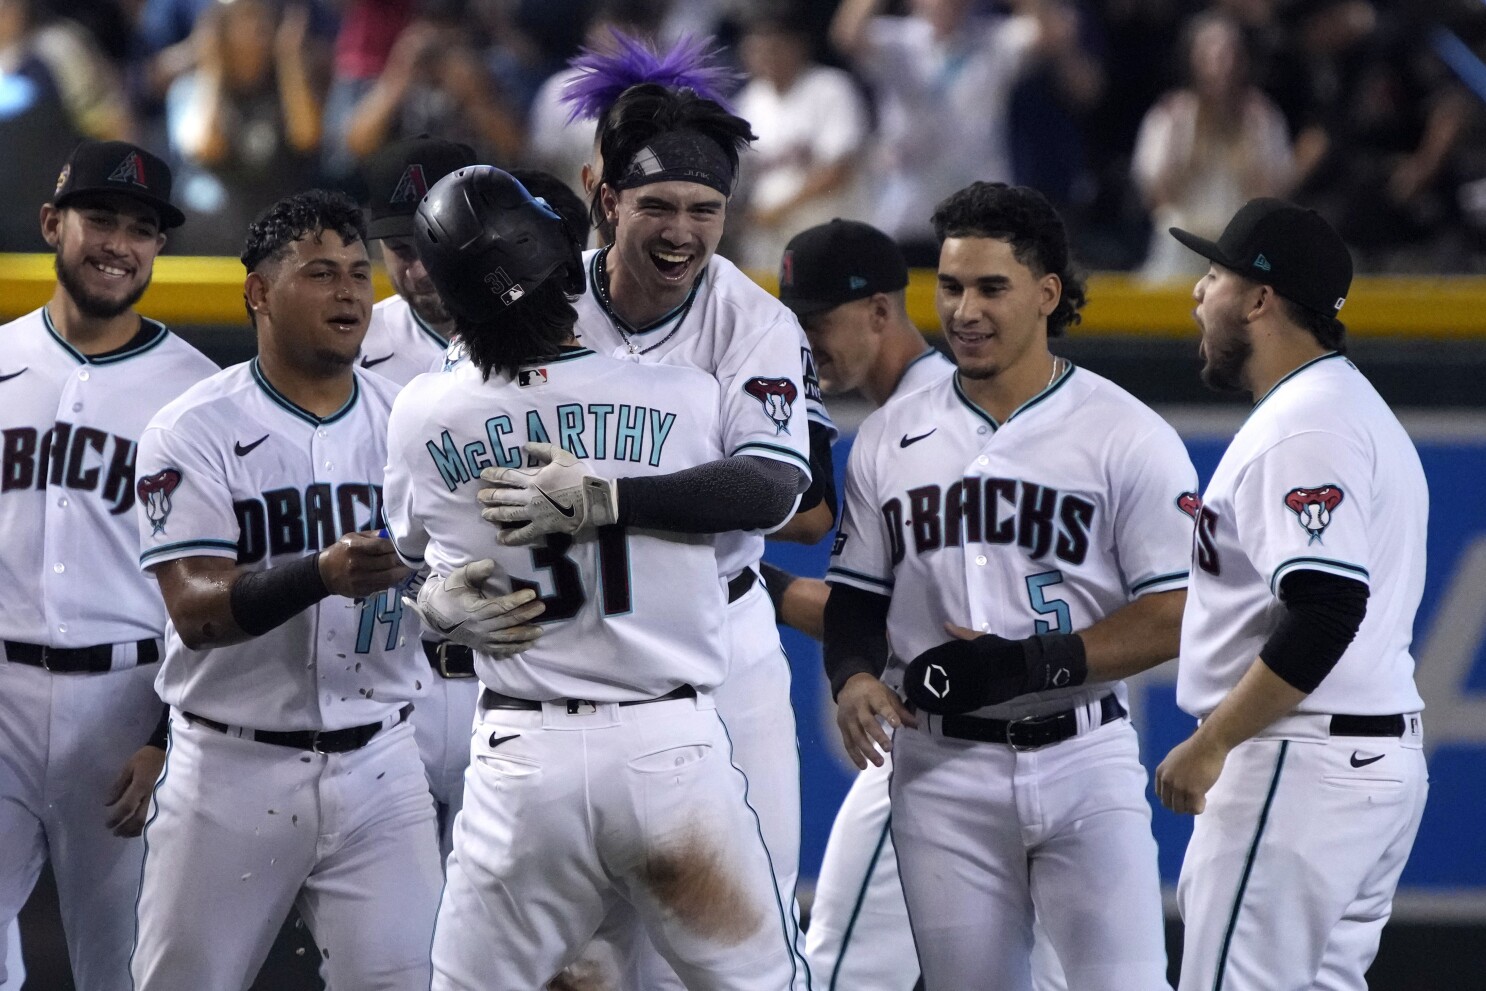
1285 246
399 176
122 168
836 263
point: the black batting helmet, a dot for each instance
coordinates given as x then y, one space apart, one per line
486 242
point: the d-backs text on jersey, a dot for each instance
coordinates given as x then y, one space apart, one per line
291 521
1036 517
596 431
62 456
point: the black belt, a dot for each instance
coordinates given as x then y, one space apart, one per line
76 660
450 659
321 741
740 584
1031 733
491 699
1367 725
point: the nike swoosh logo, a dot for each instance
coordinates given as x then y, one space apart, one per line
7 378
564 510
241 449
907 440
496 741
1366 760
372 362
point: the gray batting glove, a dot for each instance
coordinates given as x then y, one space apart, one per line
560 495
458 608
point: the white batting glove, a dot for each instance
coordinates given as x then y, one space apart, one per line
458 608
560 495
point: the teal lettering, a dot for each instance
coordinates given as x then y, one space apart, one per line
629 439
660 429
446 458
570 429
506 455
474 455
536 431
600 413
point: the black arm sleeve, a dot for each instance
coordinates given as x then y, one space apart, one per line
776 580
856 635
1322 614
263 600
737 493
822 472
161 736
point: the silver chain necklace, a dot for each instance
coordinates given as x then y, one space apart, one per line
601 292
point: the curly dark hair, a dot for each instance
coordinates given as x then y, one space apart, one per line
1022 216
530 329
643 111
291 218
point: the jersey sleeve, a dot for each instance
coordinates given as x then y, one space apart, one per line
1153 519
1301 504
184 501
764 398
815 403
862 555
409 538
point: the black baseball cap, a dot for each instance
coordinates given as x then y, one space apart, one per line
1285 246
836 263
122 168
399 175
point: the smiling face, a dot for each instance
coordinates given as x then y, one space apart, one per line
314 302
993 308
410 279
845 340
664 235
106 247
1223 297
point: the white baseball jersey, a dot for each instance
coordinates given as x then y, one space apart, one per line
398 344
609 638
71 426
1044 524
1322 477
234 469
753 345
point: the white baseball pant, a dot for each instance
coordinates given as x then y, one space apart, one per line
570 810
1290 873
63 740
442 723
984 833
241 830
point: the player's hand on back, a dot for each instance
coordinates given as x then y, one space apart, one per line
862 706
128 800
462 608
360 564
560 494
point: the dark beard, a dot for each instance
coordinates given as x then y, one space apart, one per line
1223 371
95 307
431 310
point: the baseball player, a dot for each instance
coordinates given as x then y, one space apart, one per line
1306 772
845 280
602 734
1017 531
409 331
79 380
660 294
292 776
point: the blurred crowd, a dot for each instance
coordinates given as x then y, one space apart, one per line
1130 115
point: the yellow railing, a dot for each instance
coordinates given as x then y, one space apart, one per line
209 291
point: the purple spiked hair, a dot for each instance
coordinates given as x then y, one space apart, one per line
605 72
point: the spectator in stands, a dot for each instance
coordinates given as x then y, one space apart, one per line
61 59
1208 148
557 143
811 123
369 29
436 82
943 79
245 123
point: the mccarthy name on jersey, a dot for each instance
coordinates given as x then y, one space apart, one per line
591 431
